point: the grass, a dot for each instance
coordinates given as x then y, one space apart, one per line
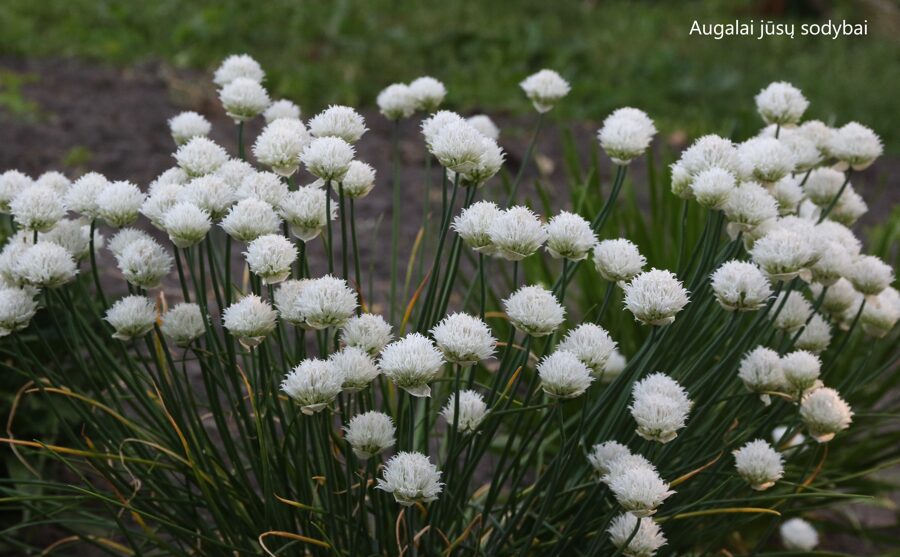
615 53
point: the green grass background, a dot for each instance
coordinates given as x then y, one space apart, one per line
615 53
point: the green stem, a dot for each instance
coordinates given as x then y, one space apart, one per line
528 154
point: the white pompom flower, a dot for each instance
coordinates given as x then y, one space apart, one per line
881 313
618 260
183 323
781 103
603 454
750 205
265 186
655 296
801 370
459 147
759 464
57 181
783 253
244 99
788 194
740 286
338 121
211 193
12 183
82 196
870 275
411 478
249 219
472 411
328 158
569 236
591 344
713 187
816 335
428 93
517 233
285 298
645 542
766 159
250 319
235 66
174 175
144 263
473 225
806 155
73 235
489 162
615 365
626 134
411 363
681 181
825 414
158 203
367 331
761 372
37 208
186 224
270 257
792 313
534 310
314 384
639 490
358 181
849 208
433 124
370 433
17 307
798 535
44 265
563 375
838 298
834 262
280 145
396 101
187 125
326 302
855 145
822 185
711 151
464 339
200 156
660 407
131 317
305 210
281 109
120 203
485 125
544 89
124 238
357 367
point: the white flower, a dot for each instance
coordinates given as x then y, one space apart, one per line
174 175
517 233
281 109
200 156
591 344
244 99
485 125
57 181
615 365
648 539
740 286
280 145
250 219
825 413
781 103
396 101
44 265
158 203
265 186
839 296
564 375
569 236
834 262
183 323
464 339
806 153
472 411
367 331
639 490
822 185
837 232
250 319
73 235
17 307
37 208
82 196
782 253
544 89
766 159
713 187
305 211
428 93
489 163
124 238
473 225
855 145
626 134
10 255
618 260
186 224
188 124
326 302
357 367
849 207
119 203
131 317
270 256
681 181
660 407
370 433
750 205
759 464
211 193
655 296
798 535
711 151
793 312
801 370
359 180
285 298
870 275
819 133
458 147
816 336
235 66
314 384
603 454
534 310
411 363
880 313
328 158
144 263
434 123
12 183
412 478
788 193
761 372
338 121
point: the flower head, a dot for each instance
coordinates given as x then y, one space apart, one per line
17 307
82 196
626 134
655 296
37 208
740 286
870 275
569 236
370 433
200 156
119 203
534 310
57 181
591 344
359 180
644 543
188 124
792 312
782 253
759 464
281 109
472 411
131 317
788 194
12 183
411 363
411 478
427 92
186 224
265 186
124 238
328 158
766 159
618 260
396 101
235 66
158 203
249 319
44 265
281 144
464 339
822 185
801 370
544 89
603 454
73 235
798 535
367 331
660 407
638 489
357 367
211 193
517 233
473 225
761 372
183 323
144 263
713 187
781 103
433 124
485 125
816 336
750 205
880 313
285 299
305 210
855 145
249 219
825 413
314 384
270 257
244 99
711 151
564 375
459 147
326 302
338 121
